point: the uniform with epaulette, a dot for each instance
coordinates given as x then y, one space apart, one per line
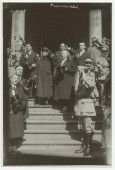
102 70
84 107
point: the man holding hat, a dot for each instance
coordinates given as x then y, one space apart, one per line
29 60
84 107
22 81
43 74
17 106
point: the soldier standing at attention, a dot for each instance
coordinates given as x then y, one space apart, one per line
84 107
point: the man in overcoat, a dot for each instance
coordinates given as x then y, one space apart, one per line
22 81
43 74
84 107
17 106
29 60
64 79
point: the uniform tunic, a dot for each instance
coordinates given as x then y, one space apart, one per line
44 78
95 53
16 125
84 105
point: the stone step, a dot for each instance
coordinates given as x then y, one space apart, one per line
43 110
52 153
58 116
50 110
56 136
50 116
32 124
31 102
39 106
53 131
66 157
36 144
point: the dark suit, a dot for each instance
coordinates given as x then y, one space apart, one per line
26 113
80 60
31 59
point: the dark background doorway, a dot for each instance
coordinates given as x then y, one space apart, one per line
49 27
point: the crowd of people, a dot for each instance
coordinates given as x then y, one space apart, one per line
69 80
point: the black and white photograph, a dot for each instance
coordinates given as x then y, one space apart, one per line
57 85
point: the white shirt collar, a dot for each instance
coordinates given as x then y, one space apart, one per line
13 86
63 61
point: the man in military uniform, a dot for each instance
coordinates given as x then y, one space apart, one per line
94 50
84 107
102 69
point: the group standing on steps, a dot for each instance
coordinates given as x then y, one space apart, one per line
68 79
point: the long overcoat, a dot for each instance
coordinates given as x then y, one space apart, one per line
16 125
44 78
26 112
63 89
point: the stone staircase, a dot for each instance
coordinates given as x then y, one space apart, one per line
49 131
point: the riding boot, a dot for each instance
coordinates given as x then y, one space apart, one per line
83 146
88 144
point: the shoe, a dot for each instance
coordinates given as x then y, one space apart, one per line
89 136
87 151
82 150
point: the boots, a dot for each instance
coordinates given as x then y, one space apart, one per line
88 144
83 146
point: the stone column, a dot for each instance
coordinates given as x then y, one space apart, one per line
18 24
95 24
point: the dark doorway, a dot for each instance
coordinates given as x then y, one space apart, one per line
49 27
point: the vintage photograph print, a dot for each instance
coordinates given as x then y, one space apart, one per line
57 83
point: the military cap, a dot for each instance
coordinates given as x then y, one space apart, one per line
94 39
104 48
88 60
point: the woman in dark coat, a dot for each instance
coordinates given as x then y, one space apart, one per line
17 106
64 79
43 73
